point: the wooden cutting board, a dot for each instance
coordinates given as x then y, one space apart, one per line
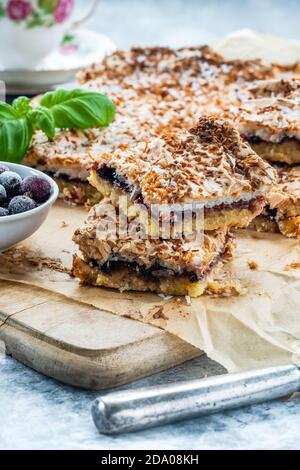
81 345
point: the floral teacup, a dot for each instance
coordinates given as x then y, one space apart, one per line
31 29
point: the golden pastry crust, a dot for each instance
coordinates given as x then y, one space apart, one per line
270 116
290 226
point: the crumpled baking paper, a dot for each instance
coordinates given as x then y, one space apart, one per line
260 328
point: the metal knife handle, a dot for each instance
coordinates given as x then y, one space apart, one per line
133 410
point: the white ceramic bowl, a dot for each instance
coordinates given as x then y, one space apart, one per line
16 228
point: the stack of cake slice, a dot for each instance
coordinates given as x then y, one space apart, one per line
270 121
171 267
207 168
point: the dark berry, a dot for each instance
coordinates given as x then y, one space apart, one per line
3 212
39 189
3 168
5 204
21 204
3 194
11 182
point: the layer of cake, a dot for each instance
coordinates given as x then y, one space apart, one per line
287 151
272 114
66 159
227 213
283 210
67 153
127 279
193 257
206 164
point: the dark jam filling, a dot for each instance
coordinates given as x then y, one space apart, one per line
255 139
270 213
156 271
251 205
109 174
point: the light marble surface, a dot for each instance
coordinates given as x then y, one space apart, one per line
39 413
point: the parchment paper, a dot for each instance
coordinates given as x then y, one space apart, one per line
247 44
260 328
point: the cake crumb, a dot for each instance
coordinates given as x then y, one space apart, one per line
295 265
252 264
159 314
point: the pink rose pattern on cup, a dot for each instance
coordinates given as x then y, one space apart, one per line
18 9
63 10
40 13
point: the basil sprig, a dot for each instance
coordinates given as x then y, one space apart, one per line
79 109
60 109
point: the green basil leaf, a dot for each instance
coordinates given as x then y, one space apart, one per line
22 106
15 139
7 112
42 118
79 108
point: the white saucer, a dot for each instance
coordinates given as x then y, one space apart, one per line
81 48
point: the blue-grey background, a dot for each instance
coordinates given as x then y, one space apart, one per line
39 413
189 22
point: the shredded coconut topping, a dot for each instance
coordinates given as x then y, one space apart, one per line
156 90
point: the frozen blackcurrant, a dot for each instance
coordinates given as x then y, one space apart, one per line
3 212
37 188
20 204
11 182
3 194
3 168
